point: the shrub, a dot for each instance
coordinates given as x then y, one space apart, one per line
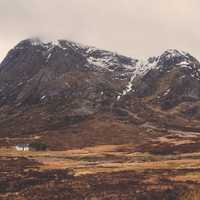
39 145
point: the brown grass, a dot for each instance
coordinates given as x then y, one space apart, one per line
89 160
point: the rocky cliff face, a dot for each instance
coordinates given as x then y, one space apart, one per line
37 72
172 79
54 84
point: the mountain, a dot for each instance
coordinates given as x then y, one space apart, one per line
173 79
53 69
47 86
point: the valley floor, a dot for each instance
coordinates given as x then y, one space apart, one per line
128 171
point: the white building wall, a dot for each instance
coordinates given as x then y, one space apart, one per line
22 148
19 148
26 149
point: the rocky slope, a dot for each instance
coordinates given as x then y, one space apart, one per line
51 85
173 79
36 72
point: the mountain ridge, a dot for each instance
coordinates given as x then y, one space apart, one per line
137 67
62 83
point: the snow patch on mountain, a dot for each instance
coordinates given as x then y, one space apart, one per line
183 63
167 92
142 67
100 62
175 53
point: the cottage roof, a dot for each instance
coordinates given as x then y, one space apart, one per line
22 145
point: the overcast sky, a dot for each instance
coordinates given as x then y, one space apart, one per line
138 28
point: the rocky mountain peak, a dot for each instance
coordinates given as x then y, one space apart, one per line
68 80
175 57
68 53
168 79
35 60
174 53
37 71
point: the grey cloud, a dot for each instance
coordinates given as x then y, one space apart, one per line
138 28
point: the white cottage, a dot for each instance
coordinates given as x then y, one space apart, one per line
22 147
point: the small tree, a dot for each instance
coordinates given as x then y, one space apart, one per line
39 145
